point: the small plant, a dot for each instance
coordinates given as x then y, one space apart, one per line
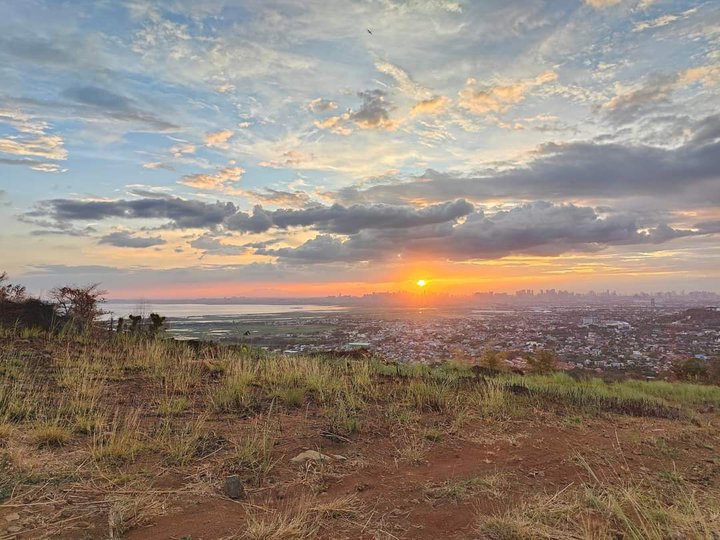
253 452
182 445
172 405
491 399
433 434
459 489
343 419
126 512
411 449
51 435
290 397
121 443
429 395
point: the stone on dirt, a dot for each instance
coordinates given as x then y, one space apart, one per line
234 487
310 455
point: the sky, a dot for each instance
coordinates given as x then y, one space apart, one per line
190 148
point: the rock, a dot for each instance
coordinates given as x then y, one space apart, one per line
12 517
234 487
310 455
339 457
14 529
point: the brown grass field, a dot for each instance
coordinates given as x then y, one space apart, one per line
122 437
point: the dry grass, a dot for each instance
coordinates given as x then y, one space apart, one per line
253 455
51 435
127 512
304 520
605 507
460 489
121 443
411 448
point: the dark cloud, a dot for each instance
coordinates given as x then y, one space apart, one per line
347 220
708 227
129 240
577 170
183 213
374 112
540 228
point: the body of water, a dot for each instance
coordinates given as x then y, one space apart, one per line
203 310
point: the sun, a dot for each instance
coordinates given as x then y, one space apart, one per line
421 283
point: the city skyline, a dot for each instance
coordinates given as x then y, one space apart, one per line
179 149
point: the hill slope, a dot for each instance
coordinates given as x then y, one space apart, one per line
122 437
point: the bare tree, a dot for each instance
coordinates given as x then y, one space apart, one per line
10 292
80 304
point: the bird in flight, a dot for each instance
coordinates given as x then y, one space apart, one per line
369 32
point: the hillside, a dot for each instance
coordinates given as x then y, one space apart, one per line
121 437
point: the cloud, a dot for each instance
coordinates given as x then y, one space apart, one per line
45 146
630 104
499 98
405 82
180 150
602 4
424 6
433 105
347 220
41 166
707 75
374 113
211 245
539 228
105 103
181 213
285 199
663 20
153 165
322 105
218 138
222 180
129 240
31 139
289 159
335 124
